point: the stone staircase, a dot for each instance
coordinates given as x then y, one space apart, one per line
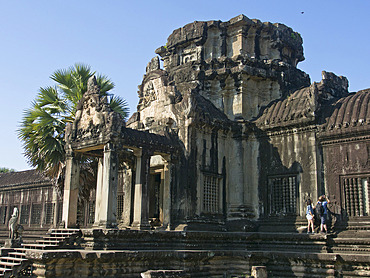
13 261
288 242
345 252
351 241
29 235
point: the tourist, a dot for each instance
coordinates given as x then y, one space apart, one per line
322 211
309 216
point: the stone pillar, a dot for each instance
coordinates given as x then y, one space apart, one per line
141 206
70 197
98 193
106 191
127 188
56 207
167 192
55 214
236 180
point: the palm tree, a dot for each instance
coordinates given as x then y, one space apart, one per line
43 125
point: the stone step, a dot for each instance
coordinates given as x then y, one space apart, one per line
54 238
12 259
292 248
47 242
37 246
354 234
3 270
352 240
61 235
349 250
16 255
20 250
58 231
9 265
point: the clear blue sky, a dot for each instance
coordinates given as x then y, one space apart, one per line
118 38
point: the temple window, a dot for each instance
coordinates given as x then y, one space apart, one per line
283 192
36 213
120 199
25 214
211 199
355 195
49 213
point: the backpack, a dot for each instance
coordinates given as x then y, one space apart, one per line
320 209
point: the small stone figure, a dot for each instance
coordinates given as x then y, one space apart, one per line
13 223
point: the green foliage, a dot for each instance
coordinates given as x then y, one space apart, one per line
295 36
6 170
43 125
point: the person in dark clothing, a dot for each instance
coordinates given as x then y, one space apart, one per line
322 207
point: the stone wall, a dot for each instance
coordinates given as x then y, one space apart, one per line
290 153
39 204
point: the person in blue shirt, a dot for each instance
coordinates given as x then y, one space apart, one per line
324 201
309 216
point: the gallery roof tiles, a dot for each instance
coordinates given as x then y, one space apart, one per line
28 177
350 111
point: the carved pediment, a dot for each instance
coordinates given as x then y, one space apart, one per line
94 117
149 94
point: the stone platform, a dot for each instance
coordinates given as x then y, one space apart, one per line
127 253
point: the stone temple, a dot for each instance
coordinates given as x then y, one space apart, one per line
210 177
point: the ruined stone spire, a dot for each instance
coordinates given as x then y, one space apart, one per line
92 85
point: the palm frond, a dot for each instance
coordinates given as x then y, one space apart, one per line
119 105
105 84
43 124
63 78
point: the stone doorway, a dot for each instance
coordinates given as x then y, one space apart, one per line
155 200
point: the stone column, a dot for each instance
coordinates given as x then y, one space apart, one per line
70 197
56 207
141 206
98 193
106 192
236 180
127 188
55 214
167 192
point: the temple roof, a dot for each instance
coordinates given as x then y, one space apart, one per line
29 177
350 111
204 110
297 108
